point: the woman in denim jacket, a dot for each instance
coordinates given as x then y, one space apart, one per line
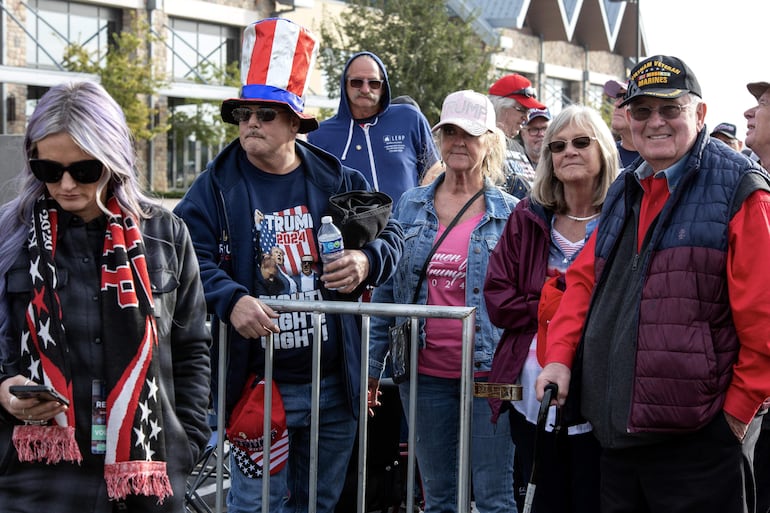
472 149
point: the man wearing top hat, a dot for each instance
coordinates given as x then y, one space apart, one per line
289 182
671 311
513 96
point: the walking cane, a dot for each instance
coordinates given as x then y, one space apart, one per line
550 393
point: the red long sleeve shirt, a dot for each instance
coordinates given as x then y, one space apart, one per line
748 288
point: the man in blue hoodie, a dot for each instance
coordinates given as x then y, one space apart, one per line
390 144
268 190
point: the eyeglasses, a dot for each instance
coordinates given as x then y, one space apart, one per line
535 131
49 171
264 114
579 143
521 109
669 111
529 92
358 83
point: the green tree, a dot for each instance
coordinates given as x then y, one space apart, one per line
427 52
201 118
126 73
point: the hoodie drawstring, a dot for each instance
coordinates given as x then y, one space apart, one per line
350 138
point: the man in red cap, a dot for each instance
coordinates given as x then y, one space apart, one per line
283 184
512 97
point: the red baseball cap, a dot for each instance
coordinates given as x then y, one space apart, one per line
519 88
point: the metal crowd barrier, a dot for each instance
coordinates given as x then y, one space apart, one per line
365 310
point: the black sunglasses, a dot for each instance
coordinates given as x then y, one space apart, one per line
578 142
529 92
358 83
49 171
264 114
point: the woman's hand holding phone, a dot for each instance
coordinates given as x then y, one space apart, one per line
31 402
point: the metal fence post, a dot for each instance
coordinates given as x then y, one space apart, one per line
364 310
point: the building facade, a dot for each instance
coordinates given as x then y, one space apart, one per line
568 48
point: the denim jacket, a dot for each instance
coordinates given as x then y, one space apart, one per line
417 214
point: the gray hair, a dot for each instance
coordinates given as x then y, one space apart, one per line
88 114
501 102
549 190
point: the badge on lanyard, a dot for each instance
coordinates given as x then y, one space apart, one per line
98 418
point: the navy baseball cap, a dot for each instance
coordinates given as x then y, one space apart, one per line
727 129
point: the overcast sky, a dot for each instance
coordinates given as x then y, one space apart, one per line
723 44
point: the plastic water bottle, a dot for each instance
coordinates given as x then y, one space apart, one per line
329 240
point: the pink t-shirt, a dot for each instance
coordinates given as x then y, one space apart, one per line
442 355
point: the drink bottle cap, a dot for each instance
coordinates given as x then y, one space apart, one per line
326 219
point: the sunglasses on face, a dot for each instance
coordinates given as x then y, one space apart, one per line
264 114
358 83
49 171
670 111
528 92
579 143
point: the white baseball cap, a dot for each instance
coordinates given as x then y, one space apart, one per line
469 110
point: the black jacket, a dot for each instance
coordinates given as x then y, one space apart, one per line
184 367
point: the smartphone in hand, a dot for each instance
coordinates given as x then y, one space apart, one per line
42 392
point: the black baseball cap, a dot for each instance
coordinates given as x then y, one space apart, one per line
727 129
661 76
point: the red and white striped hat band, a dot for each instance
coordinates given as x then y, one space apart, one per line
278 57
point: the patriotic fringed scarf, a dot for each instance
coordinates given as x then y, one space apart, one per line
135 455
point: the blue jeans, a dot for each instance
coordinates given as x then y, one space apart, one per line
289 488
436 435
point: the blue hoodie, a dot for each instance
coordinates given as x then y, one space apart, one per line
392 149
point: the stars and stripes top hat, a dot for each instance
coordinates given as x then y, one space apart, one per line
276 61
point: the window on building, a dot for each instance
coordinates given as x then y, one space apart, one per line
52 25
34 93
557 94
595 96
196 50
187 155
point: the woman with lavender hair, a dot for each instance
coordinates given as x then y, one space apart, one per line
100 299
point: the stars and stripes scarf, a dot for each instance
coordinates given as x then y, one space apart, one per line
135 451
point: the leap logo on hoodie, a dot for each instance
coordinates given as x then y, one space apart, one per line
394 143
